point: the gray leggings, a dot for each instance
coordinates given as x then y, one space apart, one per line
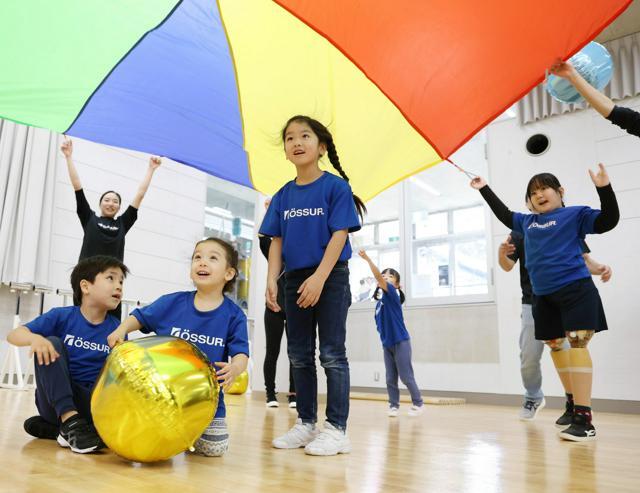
397 362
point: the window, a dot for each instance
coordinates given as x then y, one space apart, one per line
381 238
230 215
453 262
447 255
439 242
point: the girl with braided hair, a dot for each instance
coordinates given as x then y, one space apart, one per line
309 220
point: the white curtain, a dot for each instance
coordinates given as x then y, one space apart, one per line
27 180
625 82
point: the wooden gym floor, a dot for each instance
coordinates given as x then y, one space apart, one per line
459 448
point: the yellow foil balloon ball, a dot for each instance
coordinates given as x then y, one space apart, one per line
239 386
154 398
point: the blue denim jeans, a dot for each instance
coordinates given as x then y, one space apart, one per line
397 363
530 354
330 317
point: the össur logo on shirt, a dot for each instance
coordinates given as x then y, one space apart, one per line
106 226
546 225
79 342
312 211
196 338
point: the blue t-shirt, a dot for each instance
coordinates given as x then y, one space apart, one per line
389 319
86 343
219 333
553 242
305 217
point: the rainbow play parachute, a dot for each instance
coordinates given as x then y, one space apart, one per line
402 84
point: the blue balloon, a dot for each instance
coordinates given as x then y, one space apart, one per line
593 63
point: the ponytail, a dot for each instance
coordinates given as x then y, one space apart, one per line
396 274
332 154
376 294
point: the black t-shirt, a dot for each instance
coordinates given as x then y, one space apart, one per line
103 235
525 283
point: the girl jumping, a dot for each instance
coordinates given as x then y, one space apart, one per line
566 303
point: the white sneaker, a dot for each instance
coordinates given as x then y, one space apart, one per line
292 405
530 409
393 412
331 441
273 404
416 410
298 436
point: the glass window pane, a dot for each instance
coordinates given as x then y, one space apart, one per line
389 232
448 249
469 219
360 278
229 215
430 273
471 267
367 235
426 225
389 259
380 237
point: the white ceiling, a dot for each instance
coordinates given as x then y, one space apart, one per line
627 23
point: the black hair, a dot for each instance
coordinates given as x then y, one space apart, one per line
325 137
88 268
543 180
110 191
396 274
231 256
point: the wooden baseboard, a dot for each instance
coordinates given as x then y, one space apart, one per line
434 400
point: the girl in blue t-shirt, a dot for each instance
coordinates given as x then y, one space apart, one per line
566 302
309 220
395 338
208 319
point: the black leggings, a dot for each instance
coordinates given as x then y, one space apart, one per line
274 327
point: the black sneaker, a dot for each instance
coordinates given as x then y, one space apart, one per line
579 431
79 435
38 427
567 418
272 400
292 401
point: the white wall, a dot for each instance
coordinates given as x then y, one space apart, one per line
158 247
474 348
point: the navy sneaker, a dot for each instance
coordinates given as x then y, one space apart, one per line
79 436
38 427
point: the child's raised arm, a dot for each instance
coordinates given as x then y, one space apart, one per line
131 324
609 212
41 347
501 211
382 284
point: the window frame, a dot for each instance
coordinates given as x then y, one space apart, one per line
406 244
